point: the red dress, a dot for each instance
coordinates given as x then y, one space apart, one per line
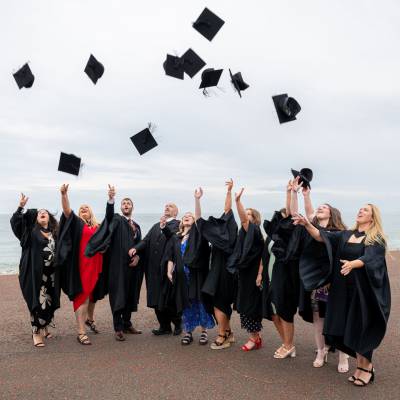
89 268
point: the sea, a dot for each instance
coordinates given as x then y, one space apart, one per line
10 249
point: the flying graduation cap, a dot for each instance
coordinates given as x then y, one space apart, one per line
238 82
210 78
24 77
69 163
94 69
286 107
208 24
173 66
192 63
144 141
305 175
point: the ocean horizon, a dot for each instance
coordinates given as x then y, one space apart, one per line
10 250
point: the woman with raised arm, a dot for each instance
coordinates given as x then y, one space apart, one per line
80 274
312 303
246 262
38 278
358 305
187 258
219 286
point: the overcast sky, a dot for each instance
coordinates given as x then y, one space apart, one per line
340 59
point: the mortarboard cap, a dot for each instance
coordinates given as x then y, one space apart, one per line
173 66
144 141
238 82
306 176
208 24
210 77
94 69
69 163
24 77
286 107
192 63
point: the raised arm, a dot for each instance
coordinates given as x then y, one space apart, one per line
16 219
198 193
65 200
294 204
228 198
288 197
307 203
110 203
299 219
241 210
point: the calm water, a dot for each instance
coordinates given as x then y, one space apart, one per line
10 249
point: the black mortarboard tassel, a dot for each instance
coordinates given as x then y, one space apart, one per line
173 66
24 77
238 82
144 141
69 163
306 176
192 63
94 69
208 24
286 107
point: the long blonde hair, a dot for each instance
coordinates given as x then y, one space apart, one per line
374 234
93 221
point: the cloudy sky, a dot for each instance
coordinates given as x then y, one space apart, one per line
340 59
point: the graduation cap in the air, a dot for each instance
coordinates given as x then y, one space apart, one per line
286 107
69 163
238 82
208 24
144 141
305 175
173 66
209 78
24 77
192 63
94 69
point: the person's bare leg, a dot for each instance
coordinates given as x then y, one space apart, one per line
318 324
81 316
223 324
364 363
288 334
90 311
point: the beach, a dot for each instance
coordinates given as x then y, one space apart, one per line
145 366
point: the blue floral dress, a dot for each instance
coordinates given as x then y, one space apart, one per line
195 314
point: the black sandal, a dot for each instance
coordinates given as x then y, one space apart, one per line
92 326
220 345
187 339
83 339
353 378
203 340
363 383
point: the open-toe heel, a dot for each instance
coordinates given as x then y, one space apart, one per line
360 382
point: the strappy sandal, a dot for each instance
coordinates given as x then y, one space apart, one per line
220 345
203 340
37 344
187 339
257 344
362 382
229 335
92 326
352 378
83 339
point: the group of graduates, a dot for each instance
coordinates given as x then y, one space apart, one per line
198 270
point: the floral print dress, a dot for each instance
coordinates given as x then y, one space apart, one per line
43 315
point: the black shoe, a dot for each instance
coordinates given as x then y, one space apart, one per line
160 331
177 331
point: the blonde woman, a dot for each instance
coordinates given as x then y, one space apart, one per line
359 298
79 274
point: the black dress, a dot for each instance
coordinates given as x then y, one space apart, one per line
245 261
219 286
359 303
38 275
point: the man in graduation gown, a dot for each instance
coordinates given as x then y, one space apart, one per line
152 248
116 235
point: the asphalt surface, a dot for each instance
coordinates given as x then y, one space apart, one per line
145 366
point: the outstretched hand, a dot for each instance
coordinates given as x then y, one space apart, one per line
229 185
289 186
198 193
299 219
163 222
296 185
23 200
239 195
64 189
111 192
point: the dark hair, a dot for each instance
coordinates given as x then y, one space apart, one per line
53 224
127 199
335 220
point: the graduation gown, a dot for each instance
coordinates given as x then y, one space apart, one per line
115 237
245 261
151 250
31 262
67 258
219 285
355 324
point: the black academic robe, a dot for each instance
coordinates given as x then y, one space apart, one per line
31 262
245 261
151 250
67 258
114 238
368 313
283 286
219 285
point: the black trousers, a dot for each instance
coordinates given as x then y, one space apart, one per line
122 320
166 316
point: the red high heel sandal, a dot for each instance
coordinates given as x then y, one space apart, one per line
257 342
